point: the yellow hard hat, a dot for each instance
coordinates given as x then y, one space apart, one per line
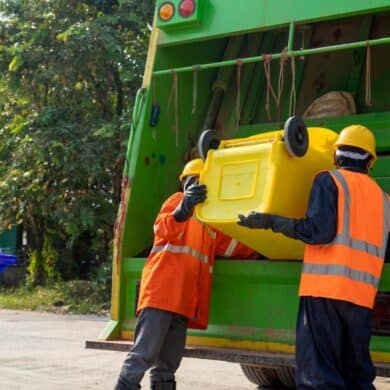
193 167
359 137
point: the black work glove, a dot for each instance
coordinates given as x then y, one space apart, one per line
193 194
279 224
255 220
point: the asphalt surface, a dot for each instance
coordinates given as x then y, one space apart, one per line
43 351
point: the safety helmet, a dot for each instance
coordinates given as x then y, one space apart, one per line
359 137
192 168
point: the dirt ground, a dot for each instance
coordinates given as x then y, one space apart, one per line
43 351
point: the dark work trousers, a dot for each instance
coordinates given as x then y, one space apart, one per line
159 342
332 345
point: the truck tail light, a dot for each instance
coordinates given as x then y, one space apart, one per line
166 11
179 14
186 8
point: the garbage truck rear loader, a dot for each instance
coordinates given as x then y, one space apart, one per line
241 69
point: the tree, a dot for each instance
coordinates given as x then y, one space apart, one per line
69 71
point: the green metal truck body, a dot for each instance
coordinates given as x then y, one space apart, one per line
210 70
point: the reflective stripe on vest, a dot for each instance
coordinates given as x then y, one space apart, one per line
341 270
211 232
180 250
345 238
230 249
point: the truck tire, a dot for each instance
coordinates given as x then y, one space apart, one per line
287 376
261 376
296 137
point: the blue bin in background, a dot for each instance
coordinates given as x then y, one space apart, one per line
6 260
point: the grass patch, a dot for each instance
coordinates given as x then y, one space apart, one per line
78 297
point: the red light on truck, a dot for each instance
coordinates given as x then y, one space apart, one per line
166 11
186 8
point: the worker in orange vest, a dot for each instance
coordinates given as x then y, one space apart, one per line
346 231
175 285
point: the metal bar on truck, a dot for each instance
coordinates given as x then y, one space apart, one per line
292 53
291 32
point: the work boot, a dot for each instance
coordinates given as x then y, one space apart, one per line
122 385
168 385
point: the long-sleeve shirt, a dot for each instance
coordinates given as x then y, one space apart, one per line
320 223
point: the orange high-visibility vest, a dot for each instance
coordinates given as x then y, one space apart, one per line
349 267
177 275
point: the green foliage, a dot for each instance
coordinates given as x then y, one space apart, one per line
83 297
69 71
101 280
76 296
37 298
50 259
35 269
42 265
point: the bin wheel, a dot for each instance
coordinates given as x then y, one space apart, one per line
207 140
261 376
296 136
287 376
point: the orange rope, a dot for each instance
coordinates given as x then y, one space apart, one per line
283 59
267 58
293 93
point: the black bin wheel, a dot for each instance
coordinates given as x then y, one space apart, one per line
296 137
207 140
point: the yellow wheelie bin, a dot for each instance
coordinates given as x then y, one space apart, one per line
270 173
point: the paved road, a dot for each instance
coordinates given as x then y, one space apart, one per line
43 351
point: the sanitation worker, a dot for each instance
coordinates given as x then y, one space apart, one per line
346 230
175 285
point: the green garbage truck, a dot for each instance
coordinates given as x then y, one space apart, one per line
241 69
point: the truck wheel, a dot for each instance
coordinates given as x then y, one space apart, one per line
207 140
296 136
262 376
287 376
